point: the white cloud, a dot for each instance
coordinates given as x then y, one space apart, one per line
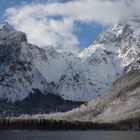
43 27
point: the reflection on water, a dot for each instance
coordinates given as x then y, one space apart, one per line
69 135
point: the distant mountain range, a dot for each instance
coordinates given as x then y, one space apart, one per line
110 64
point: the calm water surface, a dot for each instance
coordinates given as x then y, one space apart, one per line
69 135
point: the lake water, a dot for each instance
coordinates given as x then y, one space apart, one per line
69 135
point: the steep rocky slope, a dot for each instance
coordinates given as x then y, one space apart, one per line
109 57
18 74
121 103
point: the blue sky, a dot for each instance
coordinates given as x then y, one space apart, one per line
88 33
65 24
4 4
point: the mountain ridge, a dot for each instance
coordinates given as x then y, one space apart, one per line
78 77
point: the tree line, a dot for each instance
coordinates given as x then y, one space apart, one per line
43 124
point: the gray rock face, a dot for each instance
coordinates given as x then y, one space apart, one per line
18 74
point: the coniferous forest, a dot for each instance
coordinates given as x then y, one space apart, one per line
43 124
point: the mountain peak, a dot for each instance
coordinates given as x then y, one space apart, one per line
133 23
9 34
6 27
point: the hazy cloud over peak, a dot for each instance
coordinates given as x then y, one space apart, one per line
53 22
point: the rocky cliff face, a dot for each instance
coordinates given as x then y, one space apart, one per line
18 73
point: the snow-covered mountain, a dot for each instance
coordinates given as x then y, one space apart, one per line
109 57
18 74
25 68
